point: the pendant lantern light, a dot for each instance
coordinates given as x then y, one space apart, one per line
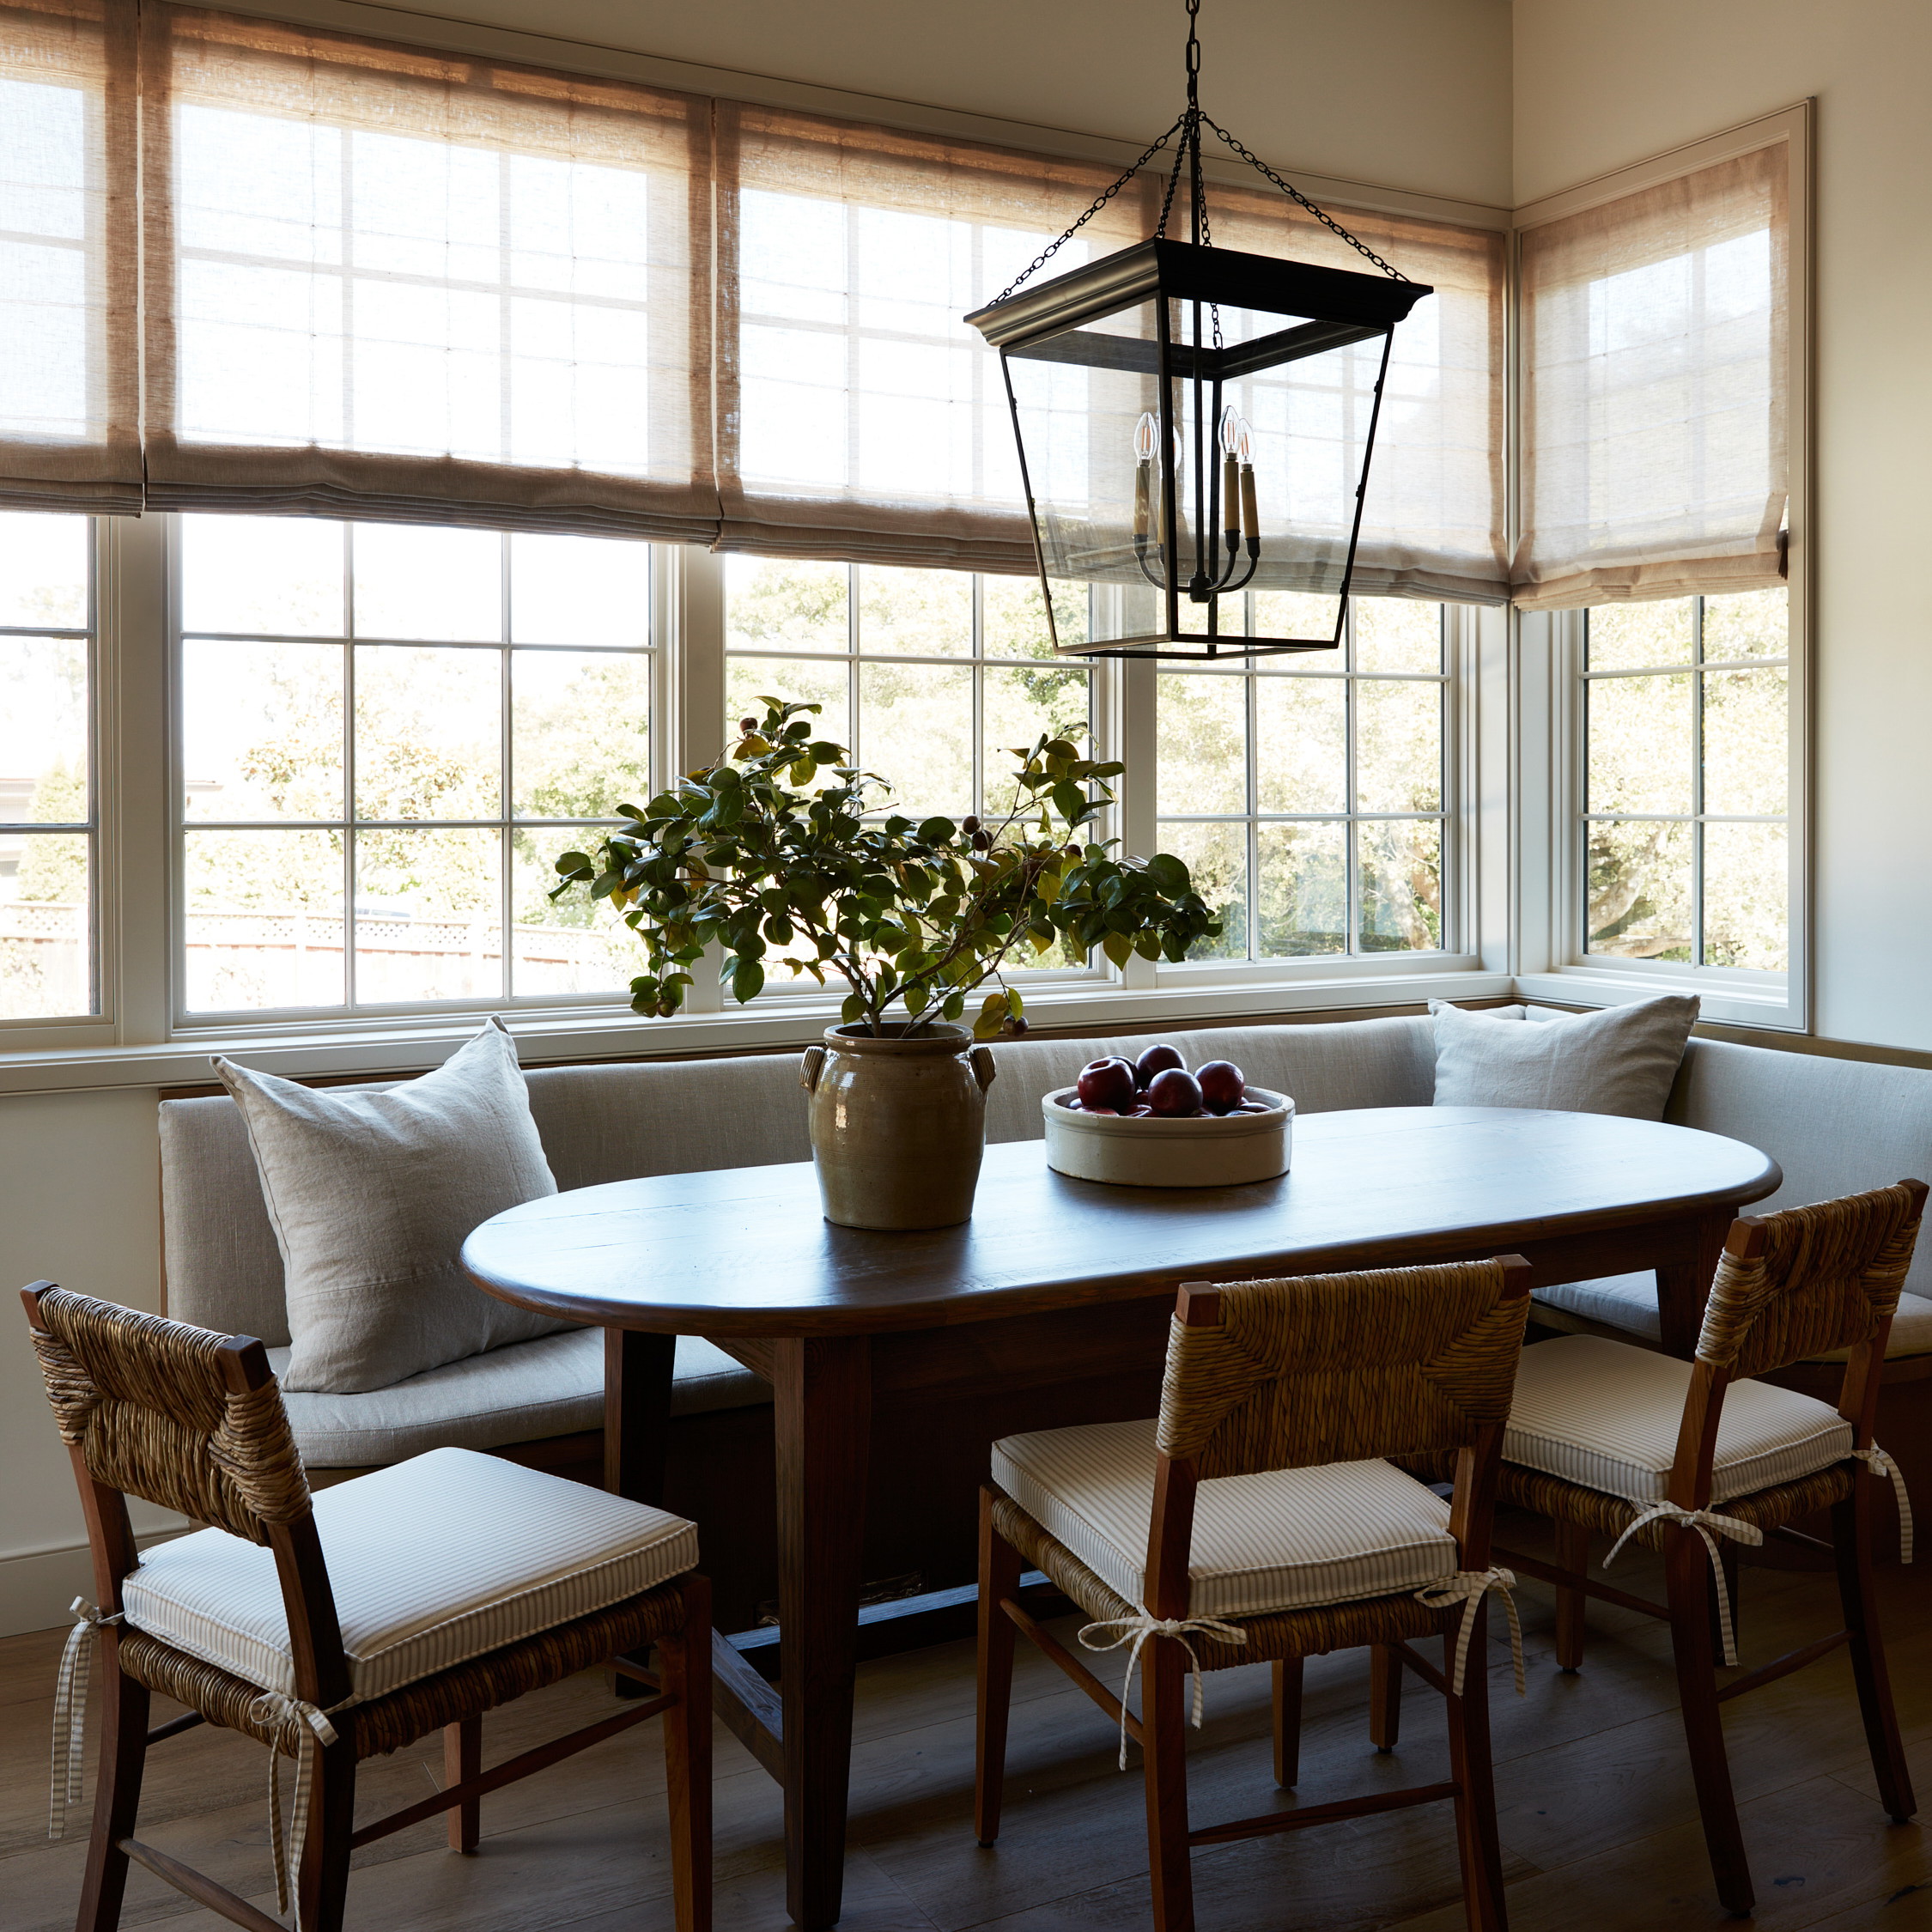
1195 423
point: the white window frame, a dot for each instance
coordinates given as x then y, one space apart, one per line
1548 753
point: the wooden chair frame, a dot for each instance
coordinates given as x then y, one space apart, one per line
1161 1730
680 1691
1690 1605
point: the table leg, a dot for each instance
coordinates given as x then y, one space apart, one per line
637 1377
1683 1284
822 1401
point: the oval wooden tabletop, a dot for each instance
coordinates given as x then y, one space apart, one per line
745 1251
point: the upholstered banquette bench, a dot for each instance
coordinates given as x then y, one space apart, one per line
1836 1127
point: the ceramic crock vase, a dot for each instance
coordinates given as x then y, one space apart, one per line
898 1125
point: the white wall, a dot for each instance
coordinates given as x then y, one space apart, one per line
1597 86
1405 94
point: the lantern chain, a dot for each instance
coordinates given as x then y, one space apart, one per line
1047 253
1295 195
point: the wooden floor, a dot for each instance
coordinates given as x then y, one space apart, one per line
1597 1824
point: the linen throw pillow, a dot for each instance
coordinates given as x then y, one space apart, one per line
372 1195
1620 1060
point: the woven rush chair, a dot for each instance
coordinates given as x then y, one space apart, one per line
1296 1390
1607 1438
344 1626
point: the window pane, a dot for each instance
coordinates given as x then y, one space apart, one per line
1638 883
1216 856
915 731
1398 746
1631 636
1298 614
428 916
777 604
1013 619
1018 705
43 570
747 681
1202 745
263 923
1395 634
427 733
915 613
1745 737
574 945
1639 744
1756 625
261 728
44 730
1301 748
579 590
1401 866
1746 888
278 575
416 582
46 964
1302 893
580 733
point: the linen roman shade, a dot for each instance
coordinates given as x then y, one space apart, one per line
390 283
70 429
1655 390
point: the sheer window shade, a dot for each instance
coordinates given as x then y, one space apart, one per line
69 408
1655 390
388 282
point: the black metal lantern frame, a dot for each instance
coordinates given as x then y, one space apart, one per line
1164 520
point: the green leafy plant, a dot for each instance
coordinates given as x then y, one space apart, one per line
778 869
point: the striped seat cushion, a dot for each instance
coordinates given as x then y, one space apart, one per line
434 1561
1606 1415
1290 1539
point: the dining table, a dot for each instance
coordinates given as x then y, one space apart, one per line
1052 1277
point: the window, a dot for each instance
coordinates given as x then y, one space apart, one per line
1307 796
388 733
46 764
1686 706
928 676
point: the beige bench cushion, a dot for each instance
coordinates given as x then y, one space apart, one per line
437 1560
1286 1540
553 1386
1606 1415
1630 1302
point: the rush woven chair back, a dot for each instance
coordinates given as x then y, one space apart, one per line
1306 1387
1696 1458
192 1420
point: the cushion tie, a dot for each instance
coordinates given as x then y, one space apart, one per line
274 1709
1704 1521
70 1711
1469 1588
1880 1464
1137 1629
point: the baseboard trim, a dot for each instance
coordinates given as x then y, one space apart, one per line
37 1589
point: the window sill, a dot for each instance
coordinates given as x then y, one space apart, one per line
613 1034
1723 1003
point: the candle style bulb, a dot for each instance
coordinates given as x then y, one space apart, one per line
1230 440
1146 433
1244 454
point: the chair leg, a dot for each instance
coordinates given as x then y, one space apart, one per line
1385 1696
1476 1845
1163 1717
322 1884
1000 1571
462 1760
1687 1572
1572 1554
124 1750
685 1662
1851 1539
1287 1721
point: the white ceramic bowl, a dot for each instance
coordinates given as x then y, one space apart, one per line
1211 1151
